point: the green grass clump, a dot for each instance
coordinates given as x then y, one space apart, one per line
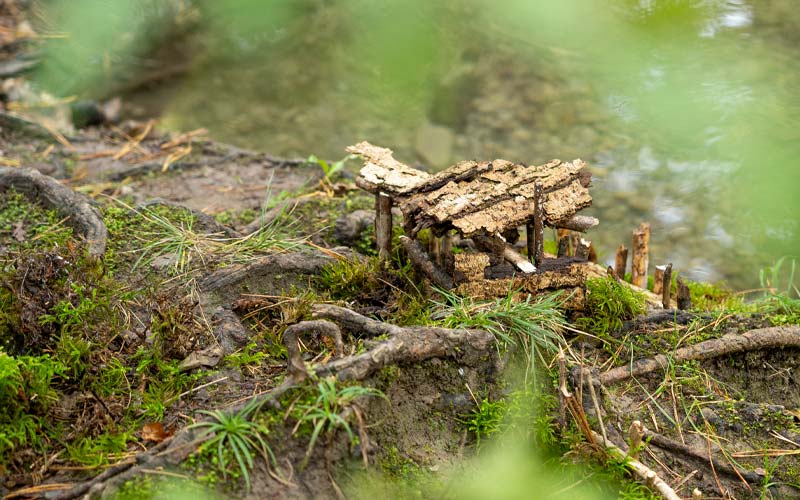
235 435
325 413
710 297
608 304
533 324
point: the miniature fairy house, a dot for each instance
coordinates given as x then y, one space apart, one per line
485 201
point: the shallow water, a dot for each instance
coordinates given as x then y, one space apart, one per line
687 112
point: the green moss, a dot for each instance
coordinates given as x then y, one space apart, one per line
398 466
710 297
29 226
608 304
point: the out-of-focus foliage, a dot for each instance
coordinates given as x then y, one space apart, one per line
708 89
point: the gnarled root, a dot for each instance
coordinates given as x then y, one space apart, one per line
82 216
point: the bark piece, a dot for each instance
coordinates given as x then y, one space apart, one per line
621 261
381 172
641 251
470 266
82 216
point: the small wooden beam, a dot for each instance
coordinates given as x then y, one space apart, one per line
658 280
583 249
423 263
578 223
446 252
621 261
666 286
383 225
563 245
684 298
641 251
538 224
530 241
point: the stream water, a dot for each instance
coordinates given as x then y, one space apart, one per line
687 111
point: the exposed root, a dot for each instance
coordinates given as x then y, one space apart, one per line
404 345
82 216
754 340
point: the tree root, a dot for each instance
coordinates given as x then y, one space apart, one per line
82 216
404 345
754 340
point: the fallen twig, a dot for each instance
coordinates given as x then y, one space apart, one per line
645 473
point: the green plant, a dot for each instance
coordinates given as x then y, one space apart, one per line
247 356
100 450
782 298
349 278
535 324
485 419
330 169
236 434
608 304
325 413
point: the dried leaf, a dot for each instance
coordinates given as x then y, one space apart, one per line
19 232
154 431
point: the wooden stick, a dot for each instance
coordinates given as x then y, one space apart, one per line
383 225
583 249
635 435
658 279
621 261
666 286
538 224
497 245
435 249
641 250
562 386
684 296
530 241
645 473
446 252
578 223
563 246
423 263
